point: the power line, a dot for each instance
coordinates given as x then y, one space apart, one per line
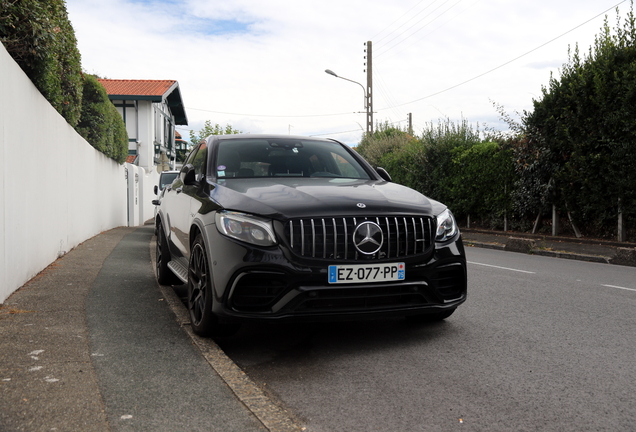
402 25
427 34
506 63
382 89
269 115
421 28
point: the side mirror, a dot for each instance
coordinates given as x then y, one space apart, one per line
156 190
189 175
383 173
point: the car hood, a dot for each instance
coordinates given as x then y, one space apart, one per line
320 197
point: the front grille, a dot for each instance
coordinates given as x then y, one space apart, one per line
332 238
343 299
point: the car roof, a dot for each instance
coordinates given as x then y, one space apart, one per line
269 136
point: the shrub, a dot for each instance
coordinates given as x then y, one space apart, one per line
100 123
40 38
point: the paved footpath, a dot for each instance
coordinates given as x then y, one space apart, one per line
92 344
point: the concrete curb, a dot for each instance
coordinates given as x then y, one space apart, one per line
625 256
496 246
572 256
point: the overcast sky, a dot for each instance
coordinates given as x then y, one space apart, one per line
259 64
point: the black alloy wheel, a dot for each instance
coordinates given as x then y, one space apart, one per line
201 295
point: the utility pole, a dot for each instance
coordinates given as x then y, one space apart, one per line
369 91
410 119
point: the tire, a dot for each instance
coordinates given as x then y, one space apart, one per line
201 295
430 317
164 274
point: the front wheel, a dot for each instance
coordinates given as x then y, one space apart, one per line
201 295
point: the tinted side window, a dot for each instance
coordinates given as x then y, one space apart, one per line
200 160
191 156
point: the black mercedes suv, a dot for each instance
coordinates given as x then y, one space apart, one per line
281 227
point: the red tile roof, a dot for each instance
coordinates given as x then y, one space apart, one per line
131 159
137 87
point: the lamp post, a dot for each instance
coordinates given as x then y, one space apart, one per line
366 98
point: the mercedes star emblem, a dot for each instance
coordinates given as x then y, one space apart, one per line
368 238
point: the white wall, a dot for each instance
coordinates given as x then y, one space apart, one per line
56 190
141 184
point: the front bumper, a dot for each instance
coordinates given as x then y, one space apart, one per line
274 284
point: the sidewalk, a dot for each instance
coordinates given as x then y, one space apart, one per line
93 343
582 249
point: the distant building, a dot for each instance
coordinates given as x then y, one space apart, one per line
151 109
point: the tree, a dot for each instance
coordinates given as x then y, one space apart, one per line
385 139
205 132
208 130
40 38
579 149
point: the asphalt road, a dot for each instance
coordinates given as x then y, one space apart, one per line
541 344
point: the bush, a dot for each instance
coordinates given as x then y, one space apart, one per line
39 36
100 124
481 182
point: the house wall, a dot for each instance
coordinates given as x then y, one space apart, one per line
145 144
56 190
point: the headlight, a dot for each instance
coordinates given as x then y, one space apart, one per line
446 226
247 228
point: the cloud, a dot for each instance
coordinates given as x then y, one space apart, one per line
261 65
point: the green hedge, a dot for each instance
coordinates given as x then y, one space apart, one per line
100 124
39 36
579 151
452 163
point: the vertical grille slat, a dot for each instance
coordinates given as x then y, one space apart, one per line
332 239
313 239
335 238
388 233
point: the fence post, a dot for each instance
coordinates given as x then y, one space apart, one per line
621 227
555 221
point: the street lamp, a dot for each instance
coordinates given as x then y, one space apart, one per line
366 98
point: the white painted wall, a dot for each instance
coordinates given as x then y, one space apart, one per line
56 190
145 144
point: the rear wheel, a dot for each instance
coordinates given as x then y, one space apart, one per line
430 317
201 295
164 274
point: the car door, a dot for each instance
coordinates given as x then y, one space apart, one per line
176 203
190 199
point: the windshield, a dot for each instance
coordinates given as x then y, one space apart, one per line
285 158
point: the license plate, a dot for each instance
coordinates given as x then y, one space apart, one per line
341 274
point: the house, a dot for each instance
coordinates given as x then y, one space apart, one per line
151 109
